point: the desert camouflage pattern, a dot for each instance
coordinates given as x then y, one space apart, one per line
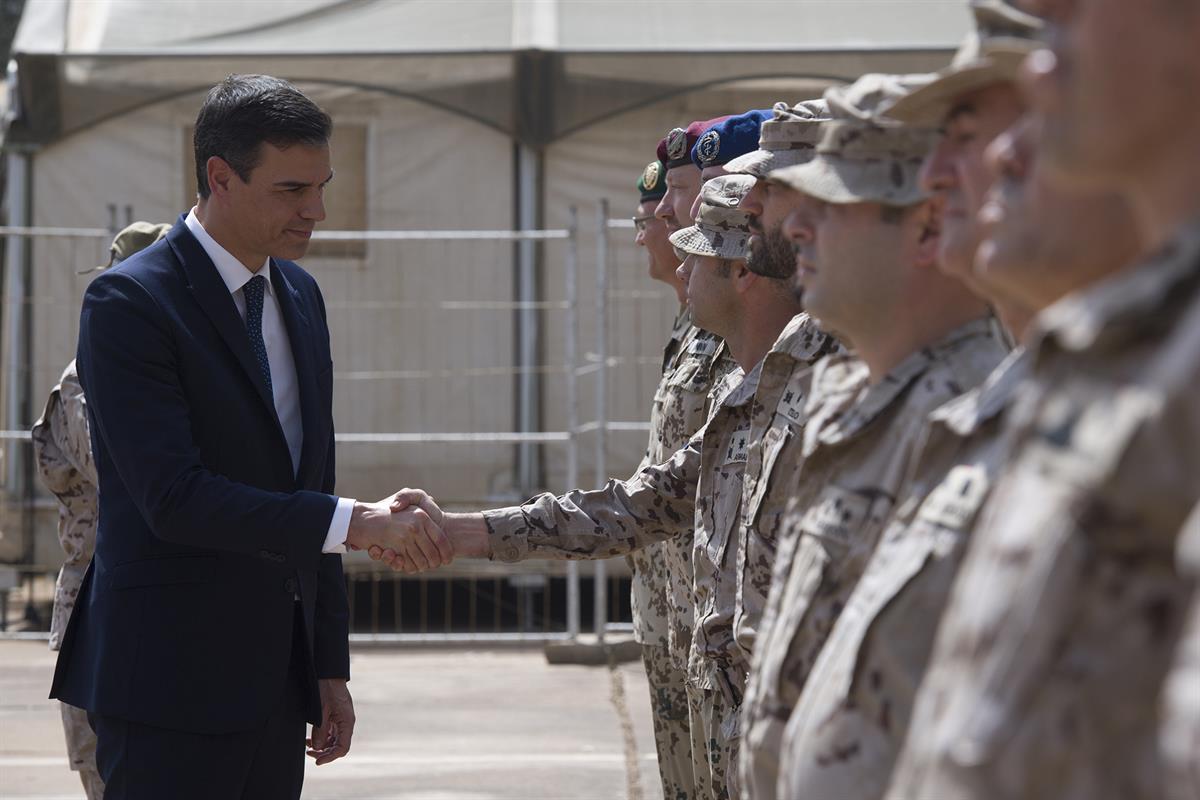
1052 654
859 444
714 743
843 738
649 586
651 594
775 437
656 505
787 139
81 750
63 452
670 716
722 227
681 407
714 662
864 162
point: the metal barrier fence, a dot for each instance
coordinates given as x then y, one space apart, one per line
538 315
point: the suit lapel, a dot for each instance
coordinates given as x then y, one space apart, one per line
213 297
300 334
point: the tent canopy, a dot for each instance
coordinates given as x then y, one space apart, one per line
536 70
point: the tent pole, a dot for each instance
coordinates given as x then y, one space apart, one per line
528 332
16 289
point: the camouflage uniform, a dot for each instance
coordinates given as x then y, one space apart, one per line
846 731
718 667
1181 699
662 574
715 670
858 445
776 431
656 505
64 459
1053 649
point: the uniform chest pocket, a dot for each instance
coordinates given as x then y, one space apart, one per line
725 494
694 374
837 517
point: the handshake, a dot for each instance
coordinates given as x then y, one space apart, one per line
410 533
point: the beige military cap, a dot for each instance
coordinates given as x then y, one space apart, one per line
722 228
860 158
133 238
991 54
788 138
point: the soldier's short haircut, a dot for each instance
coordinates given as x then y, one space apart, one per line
243 111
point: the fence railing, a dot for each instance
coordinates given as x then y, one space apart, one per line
477 602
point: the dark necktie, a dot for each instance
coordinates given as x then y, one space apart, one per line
253 291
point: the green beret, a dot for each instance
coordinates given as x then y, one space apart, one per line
652 185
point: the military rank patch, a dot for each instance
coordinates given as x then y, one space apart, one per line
708 147
677 144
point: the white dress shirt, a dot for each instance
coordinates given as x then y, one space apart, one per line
284 389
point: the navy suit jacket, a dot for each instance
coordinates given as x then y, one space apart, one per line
206 536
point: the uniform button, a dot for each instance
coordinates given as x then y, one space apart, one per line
289 586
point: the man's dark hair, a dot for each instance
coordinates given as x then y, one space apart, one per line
243 111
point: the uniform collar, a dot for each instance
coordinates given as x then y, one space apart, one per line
967 413
1082 319
848 407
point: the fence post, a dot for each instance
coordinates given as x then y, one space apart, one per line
600 588
572 372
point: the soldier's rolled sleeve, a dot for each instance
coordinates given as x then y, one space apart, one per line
656 504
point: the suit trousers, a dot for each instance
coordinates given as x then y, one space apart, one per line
142 762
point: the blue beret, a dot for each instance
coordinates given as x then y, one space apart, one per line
731 137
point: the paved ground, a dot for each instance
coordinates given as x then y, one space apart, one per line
433 725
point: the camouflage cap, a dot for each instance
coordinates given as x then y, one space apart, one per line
722 228
991 54
863 100
864 162
133 238
861 159
787 139
652 183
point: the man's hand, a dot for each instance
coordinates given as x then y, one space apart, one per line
331 739
467 533
412 534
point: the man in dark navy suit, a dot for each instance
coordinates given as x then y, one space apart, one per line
212 623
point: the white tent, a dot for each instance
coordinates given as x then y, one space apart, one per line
477 114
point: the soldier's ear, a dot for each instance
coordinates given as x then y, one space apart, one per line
743 278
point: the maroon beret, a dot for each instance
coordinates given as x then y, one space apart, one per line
675 149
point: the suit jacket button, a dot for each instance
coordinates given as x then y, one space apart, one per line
289 586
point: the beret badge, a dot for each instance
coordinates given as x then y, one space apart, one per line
677 144
651 176
708 147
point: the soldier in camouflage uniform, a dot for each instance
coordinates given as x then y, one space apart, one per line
854 713
1062 624
788 139
716 669
699 487
866 266
662 583
650 589
63 452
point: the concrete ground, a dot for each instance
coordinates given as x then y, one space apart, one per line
432 725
